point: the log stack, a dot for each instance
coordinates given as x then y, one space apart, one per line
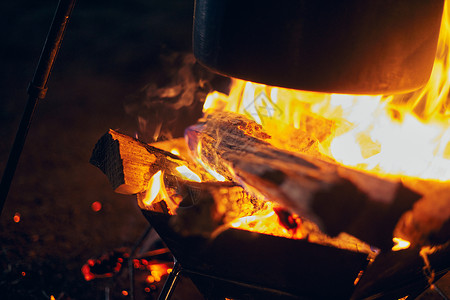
336 198
339 199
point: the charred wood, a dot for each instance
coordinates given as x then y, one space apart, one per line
396 274
129 165
428 222
208 205
339 199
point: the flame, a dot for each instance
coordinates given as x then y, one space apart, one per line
175 151
187 174
265 221
156 189
391 135
400 244
404 135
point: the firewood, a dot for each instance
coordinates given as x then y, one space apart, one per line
129 164
429 220
208 205
339 199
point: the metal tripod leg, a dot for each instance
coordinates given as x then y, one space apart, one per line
171 282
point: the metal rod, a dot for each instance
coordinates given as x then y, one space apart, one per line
435 288
36 91
171 282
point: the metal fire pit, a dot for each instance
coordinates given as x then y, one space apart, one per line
239 262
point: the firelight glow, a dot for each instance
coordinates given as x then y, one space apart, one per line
406 136
390 135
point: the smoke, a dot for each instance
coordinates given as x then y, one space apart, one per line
173 100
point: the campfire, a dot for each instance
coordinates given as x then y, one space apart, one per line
284 192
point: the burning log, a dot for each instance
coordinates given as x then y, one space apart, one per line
207 205
337 198
203 206
429 220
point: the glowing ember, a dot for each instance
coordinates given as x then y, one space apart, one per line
157 271
96 206
400 135
187 174
16 217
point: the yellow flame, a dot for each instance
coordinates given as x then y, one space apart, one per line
400 244
401 135
187 174
175 151
265 221
157 189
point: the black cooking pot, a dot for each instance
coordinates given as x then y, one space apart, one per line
345 46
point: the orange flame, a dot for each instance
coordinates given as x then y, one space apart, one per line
399 135
265 221
389 135
157 189
157 192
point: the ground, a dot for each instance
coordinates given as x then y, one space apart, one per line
110 51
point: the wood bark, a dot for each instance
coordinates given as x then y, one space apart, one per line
339 199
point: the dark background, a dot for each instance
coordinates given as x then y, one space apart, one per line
111 50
